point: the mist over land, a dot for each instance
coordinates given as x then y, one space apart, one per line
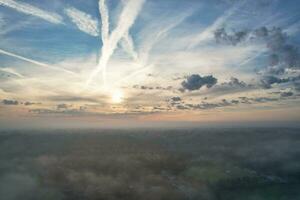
151 164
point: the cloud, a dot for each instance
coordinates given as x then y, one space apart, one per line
12 72
207 33
282 55
282 52
204 105
83 21
70 98
143 87
226 103
63 111
176 99
268 81
195 82
31 10
28 103
10 102
297 86
127 44
62 106
234 85
2 21
15 102
234 82
286 94
222 36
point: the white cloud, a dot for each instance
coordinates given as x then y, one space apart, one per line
31 10
83 21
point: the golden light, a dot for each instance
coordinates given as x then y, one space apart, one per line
117 96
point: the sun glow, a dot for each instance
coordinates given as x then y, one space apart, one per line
117 96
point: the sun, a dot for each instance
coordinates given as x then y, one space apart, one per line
117 96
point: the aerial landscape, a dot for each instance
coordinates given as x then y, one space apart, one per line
149 100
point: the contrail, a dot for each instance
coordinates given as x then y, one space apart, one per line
127 44
35 62
133 74
31 10
126 20
148 45
12 71
104 20
83 21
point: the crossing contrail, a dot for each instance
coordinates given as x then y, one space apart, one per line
126 20
36 62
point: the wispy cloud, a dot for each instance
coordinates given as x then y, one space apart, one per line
2 21
31 10
208 32
128 46
83 21
12 71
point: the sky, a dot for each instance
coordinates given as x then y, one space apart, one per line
135 63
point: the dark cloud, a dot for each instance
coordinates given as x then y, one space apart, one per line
226 103
195 82
27 103
182 107
264 99
74 99
10 102
268 81
234 82
297 86
234 85
58 111
286 94
176 99
281 54
62 106
222 36
250 100
206 105
143 87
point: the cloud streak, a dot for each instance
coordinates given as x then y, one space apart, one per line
208 32
36 62
83 21
31 10
12 71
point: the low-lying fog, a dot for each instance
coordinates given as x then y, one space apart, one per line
198 164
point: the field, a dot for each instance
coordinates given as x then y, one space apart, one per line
185 164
